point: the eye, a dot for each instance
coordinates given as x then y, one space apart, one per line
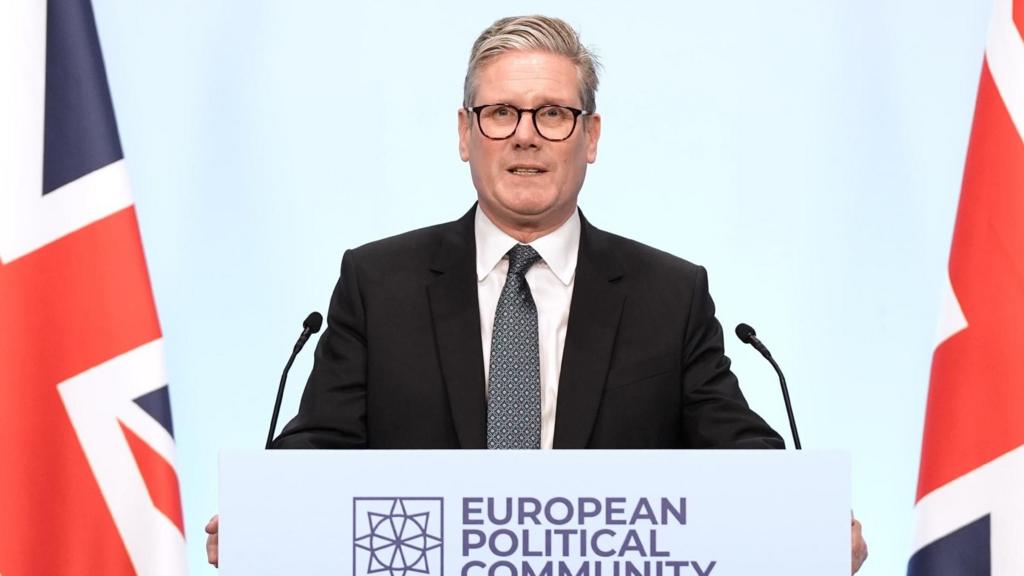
500 111
555 113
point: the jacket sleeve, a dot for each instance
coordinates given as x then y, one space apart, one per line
715 413
332 412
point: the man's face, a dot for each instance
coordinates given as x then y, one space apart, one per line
542 193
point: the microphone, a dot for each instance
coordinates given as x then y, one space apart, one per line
311 326
747 335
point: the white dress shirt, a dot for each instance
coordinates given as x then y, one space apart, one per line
551 281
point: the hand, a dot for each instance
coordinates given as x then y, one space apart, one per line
859 548
213 527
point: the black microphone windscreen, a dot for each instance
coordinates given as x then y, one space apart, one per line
744 332
314 321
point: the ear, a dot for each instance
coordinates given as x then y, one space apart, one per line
593 133
464 126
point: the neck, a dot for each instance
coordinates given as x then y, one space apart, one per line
526 231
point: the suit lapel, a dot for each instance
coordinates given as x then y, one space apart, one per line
593 323
456 314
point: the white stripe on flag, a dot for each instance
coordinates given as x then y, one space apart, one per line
96 400
993 488
952 319
32 220
1005 53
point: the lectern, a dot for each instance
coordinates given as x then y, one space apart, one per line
535 513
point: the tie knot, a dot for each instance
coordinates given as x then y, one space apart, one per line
520 258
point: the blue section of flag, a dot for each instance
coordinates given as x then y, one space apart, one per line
80 132
966 551
158 405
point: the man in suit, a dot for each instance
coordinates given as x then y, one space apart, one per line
401 364
521 325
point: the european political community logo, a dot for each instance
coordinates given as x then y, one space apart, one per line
398 536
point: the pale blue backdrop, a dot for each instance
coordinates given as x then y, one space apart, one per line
808 152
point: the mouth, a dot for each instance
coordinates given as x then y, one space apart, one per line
526 170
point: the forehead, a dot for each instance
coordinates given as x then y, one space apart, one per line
528 78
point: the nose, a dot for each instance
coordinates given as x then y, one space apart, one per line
526 132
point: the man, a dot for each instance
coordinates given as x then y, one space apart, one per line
521 325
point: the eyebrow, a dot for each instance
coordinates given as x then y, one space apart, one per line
543 102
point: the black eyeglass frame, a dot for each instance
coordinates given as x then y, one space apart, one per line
576 113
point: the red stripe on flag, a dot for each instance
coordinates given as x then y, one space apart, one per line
977 382
67 307
160 478
76 302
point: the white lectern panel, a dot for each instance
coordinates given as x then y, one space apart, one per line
535 513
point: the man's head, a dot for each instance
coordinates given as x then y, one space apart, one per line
528 180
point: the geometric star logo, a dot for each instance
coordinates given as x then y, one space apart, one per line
398 536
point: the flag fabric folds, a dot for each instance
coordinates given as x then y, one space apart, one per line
87 477
969 516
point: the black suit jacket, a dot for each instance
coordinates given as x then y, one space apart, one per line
400 364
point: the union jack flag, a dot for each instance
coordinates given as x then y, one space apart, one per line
87 478
969 516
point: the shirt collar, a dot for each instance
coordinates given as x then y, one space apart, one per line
558 249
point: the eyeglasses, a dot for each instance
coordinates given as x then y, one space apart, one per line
500 121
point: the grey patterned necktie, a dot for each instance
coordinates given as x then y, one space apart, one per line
513 399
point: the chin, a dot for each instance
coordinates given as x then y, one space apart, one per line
527 202
527 208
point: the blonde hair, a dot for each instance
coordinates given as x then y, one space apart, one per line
534 33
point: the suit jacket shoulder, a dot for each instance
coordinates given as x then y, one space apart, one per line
645 318
399 364
643 265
